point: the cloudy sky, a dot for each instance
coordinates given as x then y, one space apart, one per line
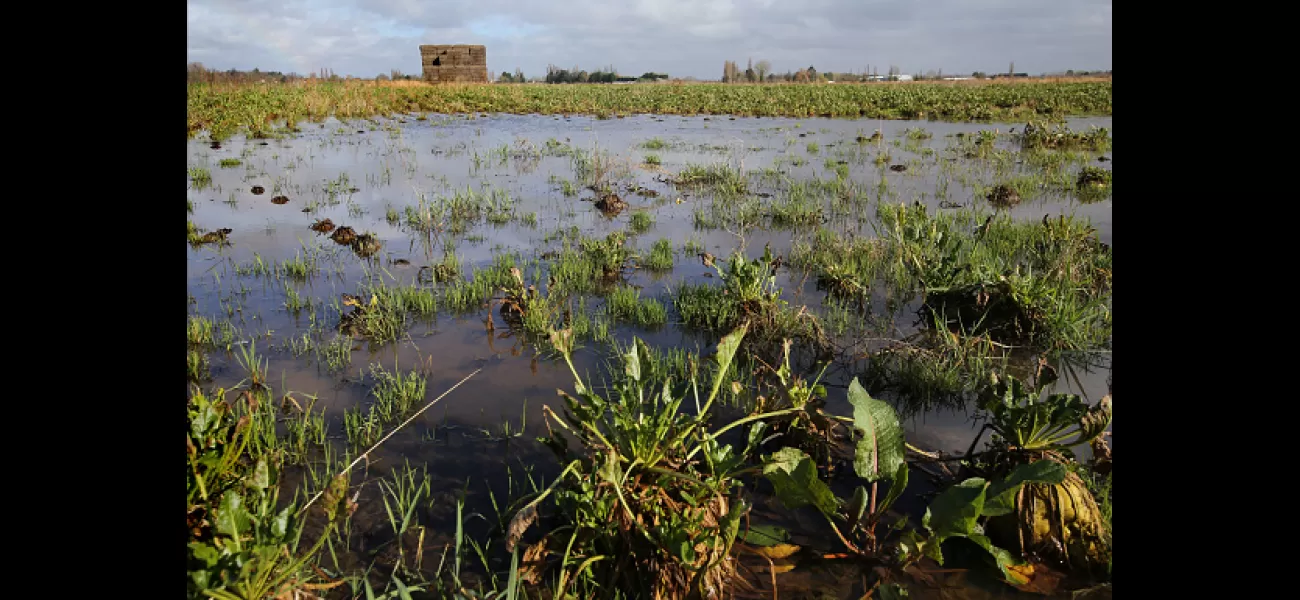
679 37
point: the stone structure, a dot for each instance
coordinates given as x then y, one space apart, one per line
454 64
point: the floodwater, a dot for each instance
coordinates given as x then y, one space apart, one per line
353 173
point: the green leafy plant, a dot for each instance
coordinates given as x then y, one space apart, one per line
639 512
241 543
878 456
961 510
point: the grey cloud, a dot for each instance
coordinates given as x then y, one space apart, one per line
681 37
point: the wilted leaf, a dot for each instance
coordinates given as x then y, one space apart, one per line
1001 496
765 535
1038 578
954 511
880 450
534 557
776 550
1095 421
519 524
794 476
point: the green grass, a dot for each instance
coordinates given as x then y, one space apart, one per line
661 255
626 304
655 143
720 178
641 222
200 177
652 159
227 163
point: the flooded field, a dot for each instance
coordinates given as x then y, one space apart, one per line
348 275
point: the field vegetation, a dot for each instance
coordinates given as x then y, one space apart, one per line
661 362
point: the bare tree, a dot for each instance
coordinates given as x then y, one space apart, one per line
762 69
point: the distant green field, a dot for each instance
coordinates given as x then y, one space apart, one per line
262 109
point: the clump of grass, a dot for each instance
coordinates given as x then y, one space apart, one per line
293 300
362 428
336 354
204 332
813 148
200 177
719 177
652 160
917 133
1045 283
661 255
795 209
641 222
529 220
935 368
626 304
1091 178
686 516
1046 136
197 369
298 267
654 143
749 294
227 163
396 394
392 216
693 246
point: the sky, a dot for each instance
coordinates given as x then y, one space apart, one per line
679 37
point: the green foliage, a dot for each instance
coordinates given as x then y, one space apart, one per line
632 490
242 541
224 110
1025 421
959 510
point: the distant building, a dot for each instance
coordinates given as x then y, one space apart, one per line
904 77
454 64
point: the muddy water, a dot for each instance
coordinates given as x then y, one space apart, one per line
355 178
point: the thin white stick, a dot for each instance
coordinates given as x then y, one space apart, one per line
390 434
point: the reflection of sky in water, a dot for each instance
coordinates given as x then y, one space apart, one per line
436 157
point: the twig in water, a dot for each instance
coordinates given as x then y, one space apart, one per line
366 454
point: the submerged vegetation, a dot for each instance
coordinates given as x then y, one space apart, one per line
746 330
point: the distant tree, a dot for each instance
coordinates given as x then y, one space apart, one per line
730 74
505 77
762 69
381 77
1011 71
